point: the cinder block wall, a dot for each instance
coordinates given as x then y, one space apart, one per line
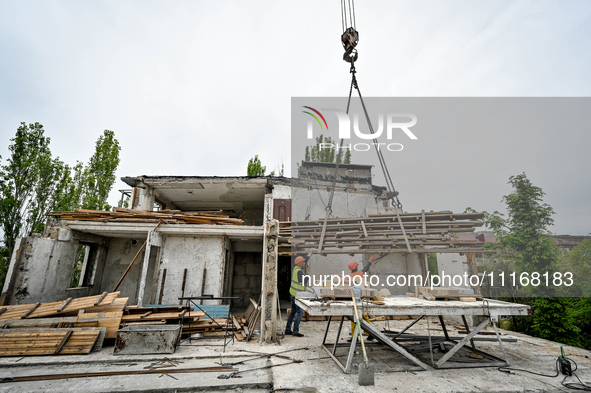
247 277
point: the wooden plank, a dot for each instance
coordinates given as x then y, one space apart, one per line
65 304
131 264
364 229
162 286
117 305
30 310
184 283
252 325
30 342
63 342
101 298
423 222
203 281
163 322
428 296
158 316
108 319
38 321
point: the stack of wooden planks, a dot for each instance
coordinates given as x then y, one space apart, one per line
161 315
385 233
72 326
78 326
120 214
250 319
242 327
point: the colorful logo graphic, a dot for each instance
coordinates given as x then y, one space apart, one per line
317 119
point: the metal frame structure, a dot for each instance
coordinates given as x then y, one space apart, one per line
190 302
490 309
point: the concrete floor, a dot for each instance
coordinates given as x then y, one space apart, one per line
317 372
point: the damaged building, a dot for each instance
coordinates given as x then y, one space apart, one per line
218 260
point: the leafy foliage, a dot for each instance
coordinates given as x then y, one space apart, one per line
33 183
23 179
320 152
525 230
578 262
99 175
527 247
554 319
255 168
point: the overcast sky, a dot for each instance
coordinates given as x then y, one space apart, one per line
199 87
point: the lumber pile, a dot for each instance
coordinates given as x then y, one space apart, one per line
161 315
242 326
71 326
120 214
379 233
79 326
39 310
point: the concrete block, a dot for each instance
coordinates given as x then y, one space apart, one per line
64 235
240 282
256 282
254 269
239 270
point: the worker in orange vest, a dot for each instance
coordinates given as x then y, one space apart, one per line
353 266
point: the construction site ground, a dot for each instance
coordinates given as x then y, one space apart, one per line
317 372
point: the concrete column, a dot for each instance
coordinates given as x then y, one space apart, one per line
8 281
268 209
154 239
145 198
269 284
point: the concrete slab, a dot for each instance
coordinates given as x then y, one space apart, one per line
316 374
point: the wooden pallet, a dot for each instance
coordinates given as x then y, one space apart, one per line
34 342
38 310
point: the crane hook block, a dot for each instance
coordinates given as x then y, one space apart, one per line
349 39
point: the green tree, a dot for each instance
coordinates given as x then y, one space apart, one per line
22 178
524 232
320 152
255 168
33 183
99 175
68 194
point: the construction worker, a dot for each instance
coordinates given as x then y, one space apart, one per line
297 285
353 266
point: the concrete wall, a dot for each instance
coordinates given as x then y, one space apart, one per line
191 253
42 270
119 256
453 264
252 217
247 276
